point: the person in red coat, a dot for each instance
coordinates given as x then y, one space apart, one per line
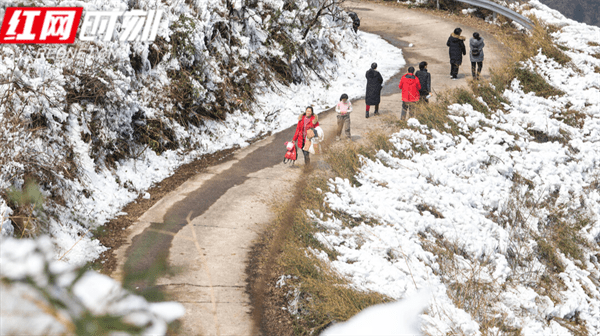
410 86
306 121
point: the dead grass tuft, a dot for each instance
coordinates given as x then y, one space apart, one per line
435 115
466 97
572 118
541 38
492 96
534 82
431 209
543 137
380 141
28 205
468 288
346 162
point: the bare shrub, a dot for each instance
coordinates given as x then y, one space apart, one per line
469 286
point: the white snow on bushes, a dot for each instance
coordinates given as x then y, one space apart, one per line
43 296
451 187
6 228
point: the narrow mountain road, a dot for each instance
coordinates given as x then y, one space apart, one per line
203 231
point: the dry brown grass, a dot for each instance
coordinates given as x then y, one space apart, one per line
572 117
491 95
435 115
324 296
28 218
468 288
345 160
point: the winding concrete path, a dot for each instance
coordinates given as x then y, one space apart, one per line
203 230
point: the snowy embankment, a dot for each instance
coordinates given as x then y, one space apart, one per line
499 223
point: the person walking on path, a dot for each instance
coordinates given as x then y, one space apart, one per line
355 21
410 86
425 79
343 109
306 121
374 85
456 43
476 43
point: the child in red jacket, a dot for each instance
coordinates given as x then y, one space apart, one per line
306 121
410 86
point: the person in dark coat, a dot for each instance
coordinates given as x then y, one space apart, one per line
355 21
476 43
456 43
373 95
425 79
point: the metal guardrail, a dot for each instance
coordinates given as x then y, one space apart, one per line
496 8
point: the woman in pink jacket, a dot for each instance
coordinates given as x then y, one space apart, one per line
343 109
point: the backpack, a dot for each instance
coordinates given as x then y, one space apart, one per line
475 51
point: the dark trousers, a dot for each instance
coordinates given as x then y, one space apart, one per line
406 107
479 66
454 70
306 157
376 108
423 95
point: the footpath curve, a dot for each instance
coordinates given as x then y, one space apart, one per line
202 232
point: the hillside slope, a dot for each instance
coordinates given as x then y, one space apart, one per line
491 202
585 11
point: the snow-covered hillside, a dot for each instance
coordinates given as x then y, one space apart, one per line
96 131
500 222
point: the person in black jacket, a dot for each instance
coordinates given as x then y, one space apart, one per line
425 80
373 95
457 50
355 21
